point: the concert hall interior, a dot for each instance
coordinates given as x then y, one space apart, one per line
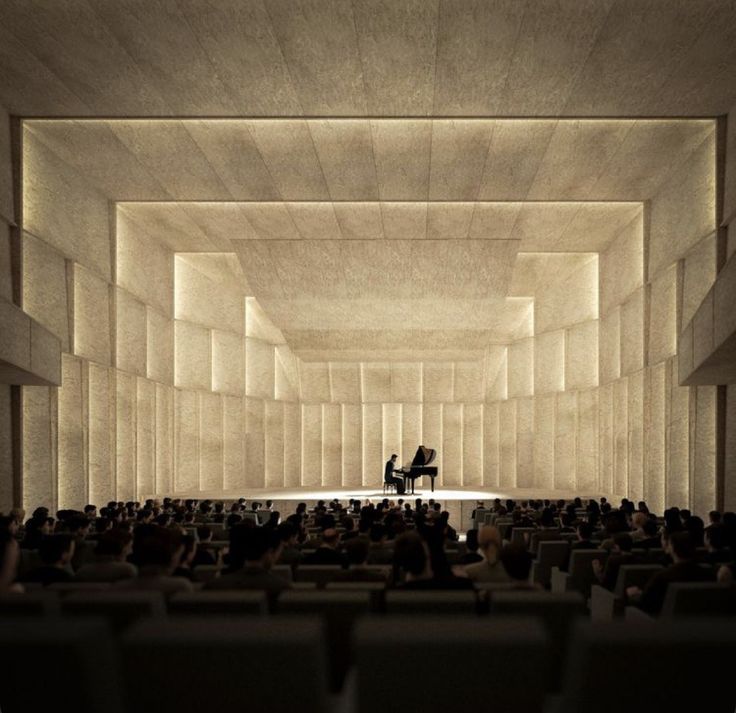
252 248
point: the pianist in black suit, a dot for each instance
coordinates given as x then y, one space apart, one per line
388 475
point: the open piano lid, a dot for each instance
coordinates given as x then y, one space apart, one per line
424 456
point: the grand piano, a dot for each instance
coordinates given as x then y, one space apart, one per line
421 466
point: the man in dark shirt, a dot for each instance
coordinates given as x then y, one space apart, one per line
684 569
56 552
388 475
327 553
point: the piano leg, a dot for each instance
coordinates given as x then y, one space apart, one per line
432 479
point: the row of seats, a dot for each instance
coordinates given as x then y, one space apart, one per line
413 663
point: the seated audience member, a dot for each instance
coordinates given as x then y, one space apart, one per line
412 560
727 574
490 568
356 552
290 552
9 558
715 541
584 540
378 551
157 551
517 562
184 568
471 555
684 569
695 526
35 530
78 528
327 552
348 524
253 550
620 554
110 559
652 539
638 521
449 531
56 552
203 555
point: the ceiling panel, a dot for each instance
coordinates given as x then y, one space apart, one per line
401 150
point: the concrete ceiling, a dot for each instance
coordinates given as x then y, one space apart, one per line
368 57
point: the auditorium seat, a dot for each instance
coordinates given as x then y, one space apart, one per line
81 666
205 572
550 533
670 666
605 605
580 576
338 611
320 574
66 588
549 553
29 604
558 612
519 535
285 571
450 664
121 609
260 665
226 602
701 599
460 602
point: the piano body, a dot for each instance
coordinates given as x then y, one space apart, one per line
421 466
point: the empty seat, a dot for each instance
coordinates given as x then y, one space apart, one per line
431 602
121 609
339 611
550 553
226 602
580 576
604 605
450 664
261 665
701 599
74 655
668 664
320 574
557 611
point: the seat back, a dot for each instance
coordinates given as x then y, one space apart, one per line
663 662
285 571
550 553
543 536
77 653
29 604
450 664
320 574
120 608
558 611
701 599
463 602
205 572
224 603
519 535
634 575
261 665
581 569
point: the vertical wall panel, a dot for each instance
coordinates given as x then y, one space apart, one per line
605 438
566 426
406 382
164 439
345 382
703 496
677 485
210 442
507 444
469 385
654 463
525 443
473 444
392 439
99 427
432 437
255 476
490 445
259 369
186 438
438 381
274 431
332 445
374 457
586 467
549 362
544 441
376 382
352 445
145 438
520 366
39 447
125 413
411 431
620 437
312 444
292 445
73 486
636 393
233 442
452 445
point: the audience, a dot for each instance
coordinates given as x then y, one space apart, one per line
490 568
110 559
55 552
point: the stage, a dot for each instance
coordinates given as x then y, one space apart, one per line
458 501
